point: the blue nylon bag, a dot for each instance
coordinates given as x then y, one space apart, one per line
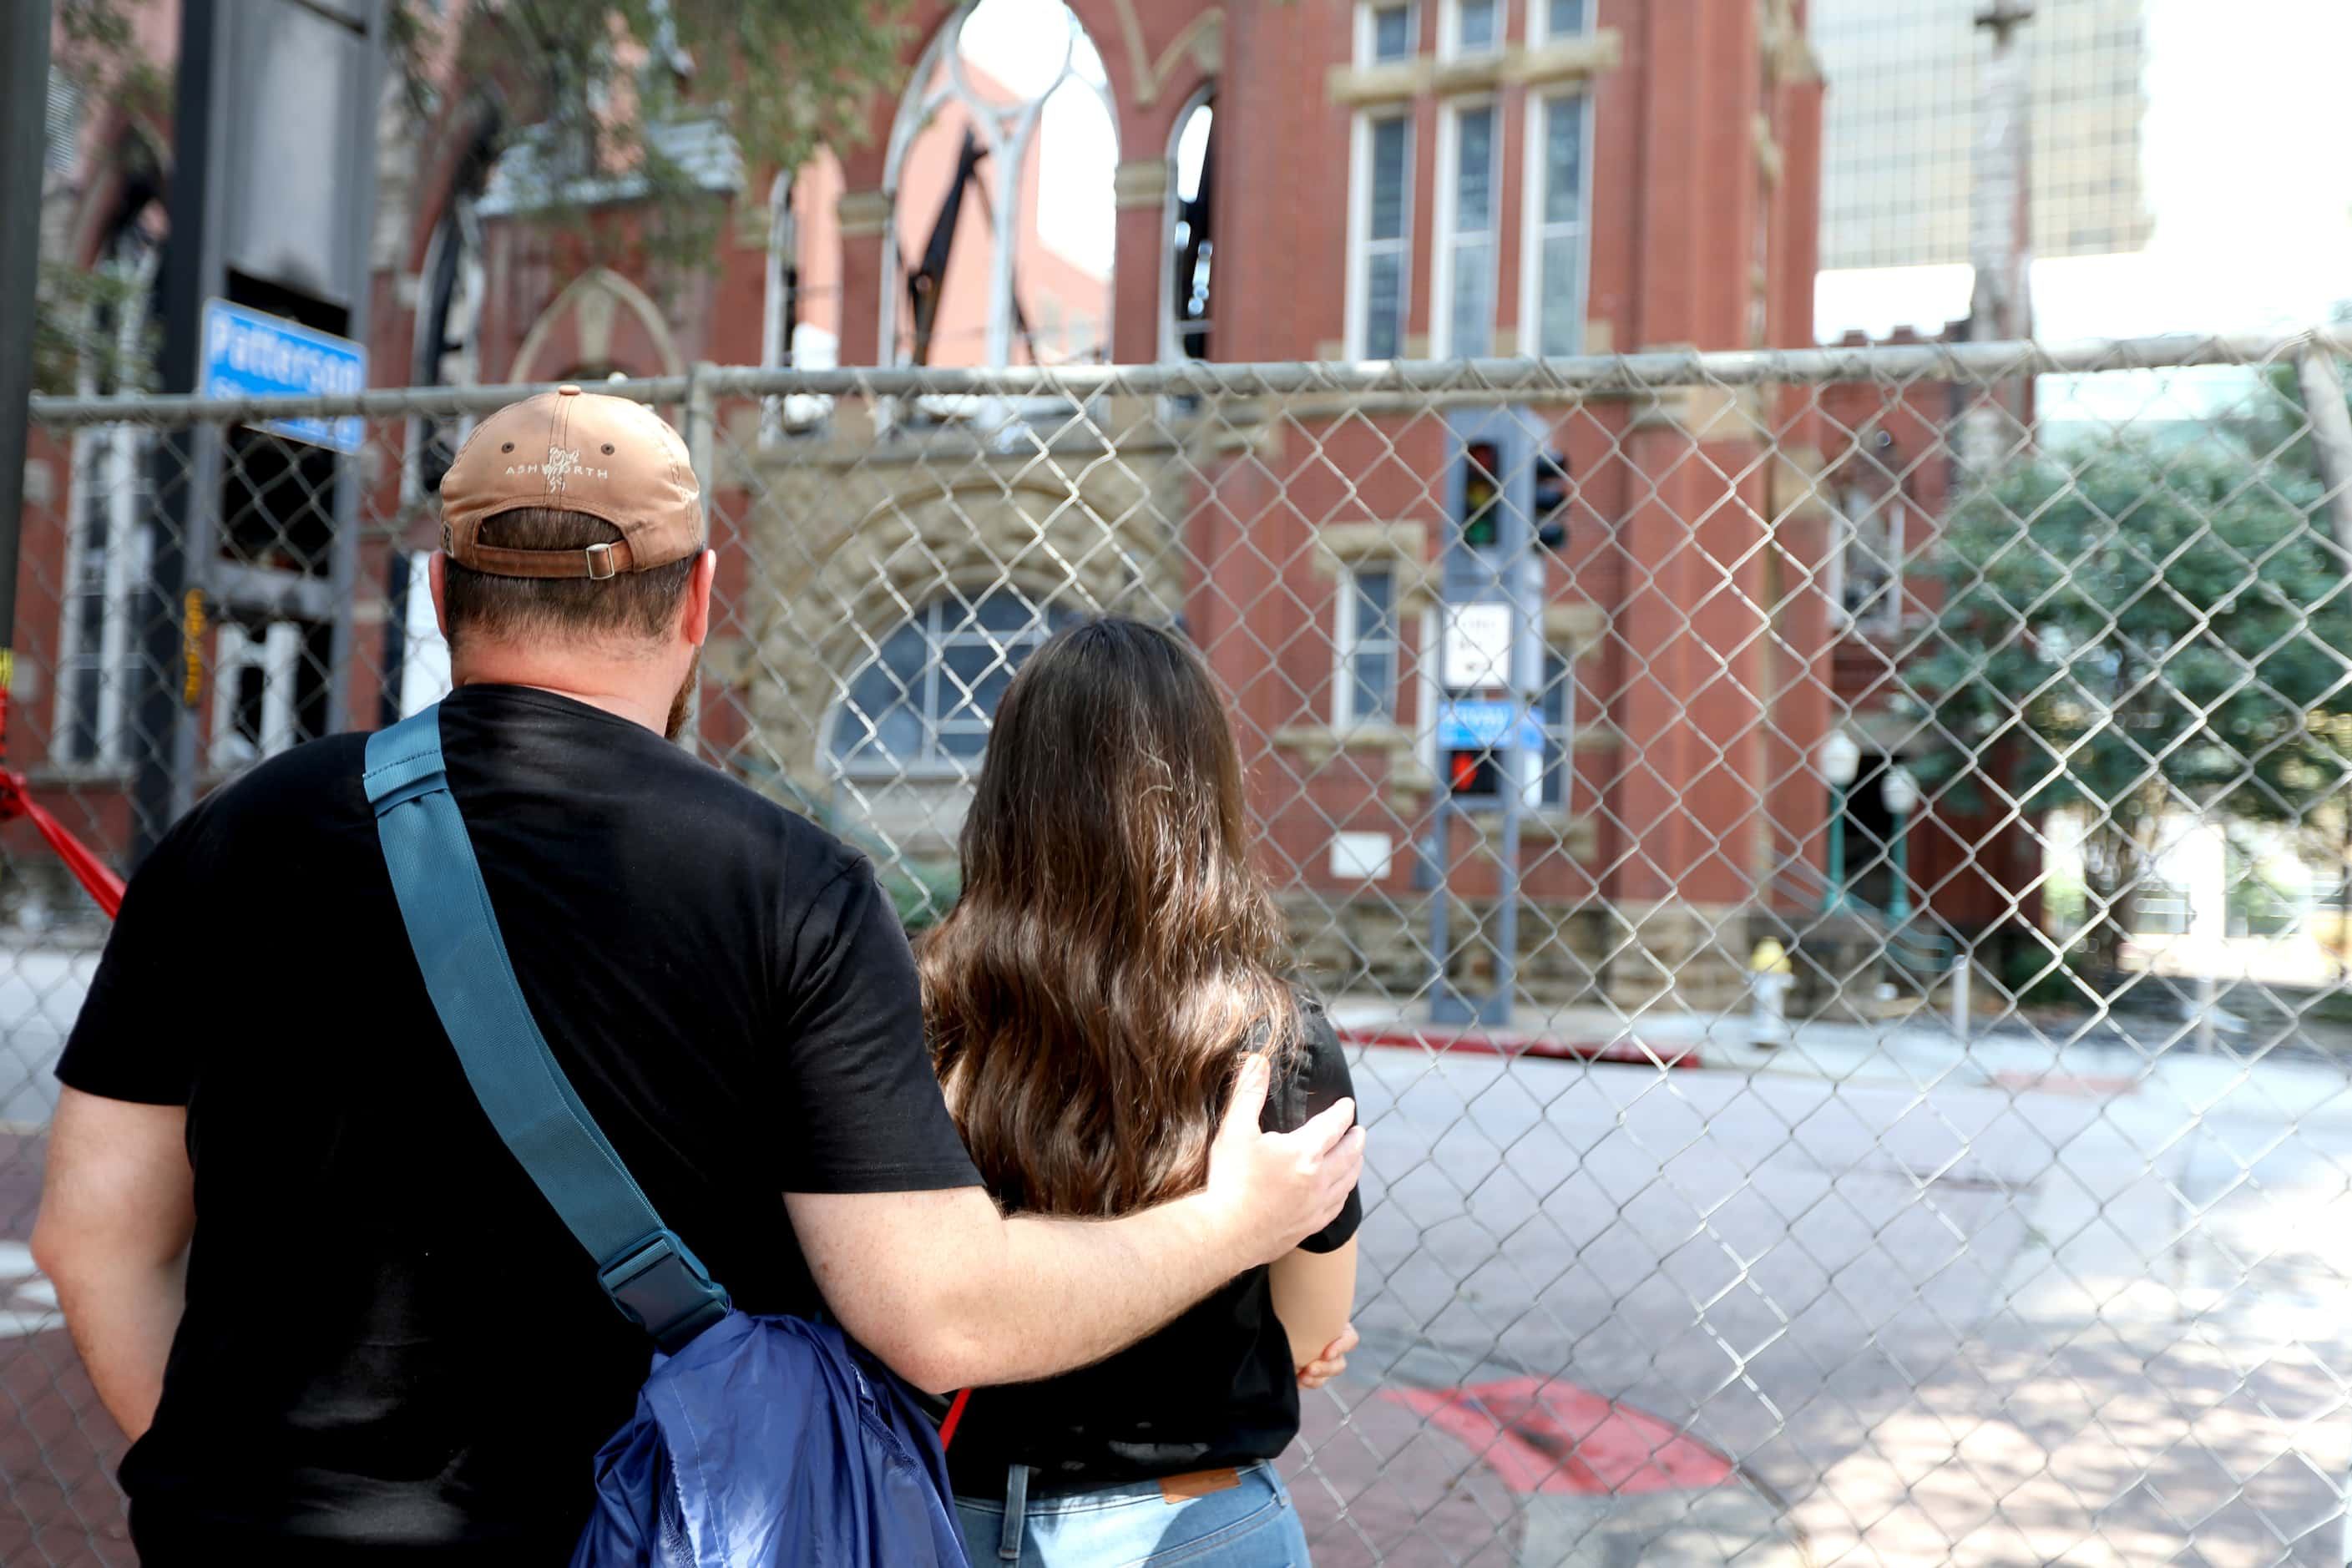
770 1441
757 1442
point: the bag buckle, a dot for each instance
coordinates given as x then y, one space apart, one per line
661 1287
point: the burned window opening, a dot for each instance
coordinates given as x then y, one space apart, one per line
1192 238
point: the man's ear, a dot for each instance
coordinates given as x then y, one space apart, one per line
697 627
436 573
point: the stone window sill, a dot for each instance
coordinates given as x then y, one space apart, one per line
1321 742
1561 60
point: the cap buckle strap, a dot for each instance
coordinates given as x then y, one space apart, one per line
601 555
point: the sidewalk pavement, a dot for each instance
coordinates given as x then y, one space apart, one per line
1530 1473
1920 1052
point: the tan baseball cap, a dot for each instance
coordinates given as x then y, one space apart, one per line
574 451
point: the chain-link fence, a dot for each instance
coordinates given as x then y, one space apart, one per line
1834 862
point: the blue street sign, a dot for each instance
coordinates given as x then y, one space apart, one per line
250 354
1464 726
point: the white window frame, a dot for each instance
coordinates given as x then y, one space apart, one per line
1359 225
113 457
278 656
783 245
1539 21
1365 9
1446 238
1171 347
1350 640
1534 231
1884 615
1429 696
1562 734
1450 45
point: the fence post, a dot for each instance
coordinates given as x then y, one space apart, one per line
1964 965
701 451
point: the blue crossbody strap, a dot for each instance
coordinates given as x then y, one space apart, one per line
643 1266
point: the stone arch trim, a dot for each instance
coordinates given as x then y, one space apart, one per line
849 554
1149 78
1048 540
589 303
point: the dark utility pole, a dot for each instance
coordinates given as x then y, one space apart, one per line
24 104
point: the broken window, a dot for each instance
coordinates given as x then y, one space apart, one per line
1870 560
449 322
800 307
1000 175
1190 238
269 688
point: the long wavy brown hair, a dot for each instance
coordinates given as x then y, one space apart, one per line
1114 953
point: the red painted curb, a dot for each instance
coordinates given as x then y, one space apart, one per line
1539 1435
1484 1042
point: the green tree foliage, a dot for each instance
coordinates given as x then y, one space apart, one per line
582 85
2132 635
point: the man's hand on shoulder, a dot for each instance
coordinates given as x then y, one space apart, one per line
950 1293
1276 1189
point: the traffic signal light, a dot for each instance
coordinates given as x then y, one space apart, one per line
1552 488
1481 494
1472 772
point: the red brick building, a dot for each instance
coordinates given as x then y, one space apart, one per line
1378 179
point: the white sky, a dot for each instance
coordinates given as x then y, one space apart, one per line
2246 156
2249 180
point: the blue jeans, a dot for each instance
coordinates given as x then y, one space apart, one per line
1251 1524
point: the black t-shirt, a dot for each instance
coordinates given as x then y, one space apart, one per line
1215 1389
390 1338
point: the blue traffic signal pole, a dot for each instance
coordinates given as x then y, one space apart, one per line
1508 572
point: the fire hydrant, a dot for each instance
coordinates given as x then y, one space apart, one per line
1769 976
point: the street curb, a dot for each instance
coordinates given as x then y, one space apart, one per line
1627 1052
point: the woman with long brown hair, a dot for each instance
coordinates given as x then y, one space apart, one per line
1112 964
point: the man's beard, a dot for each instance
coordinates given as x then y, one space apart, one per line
677 704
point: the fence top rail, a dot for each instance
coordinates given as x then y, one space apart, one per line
1589 374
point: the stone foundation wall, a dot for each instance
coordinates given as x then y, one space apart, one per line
1568 954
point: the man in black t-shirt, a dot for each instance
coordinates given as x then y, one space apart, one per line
307 1278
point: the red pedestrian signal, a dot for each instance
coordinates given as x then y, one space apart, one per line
1471 774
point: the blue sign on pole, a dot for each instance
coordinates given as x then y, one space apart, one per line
250 354
1465 726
